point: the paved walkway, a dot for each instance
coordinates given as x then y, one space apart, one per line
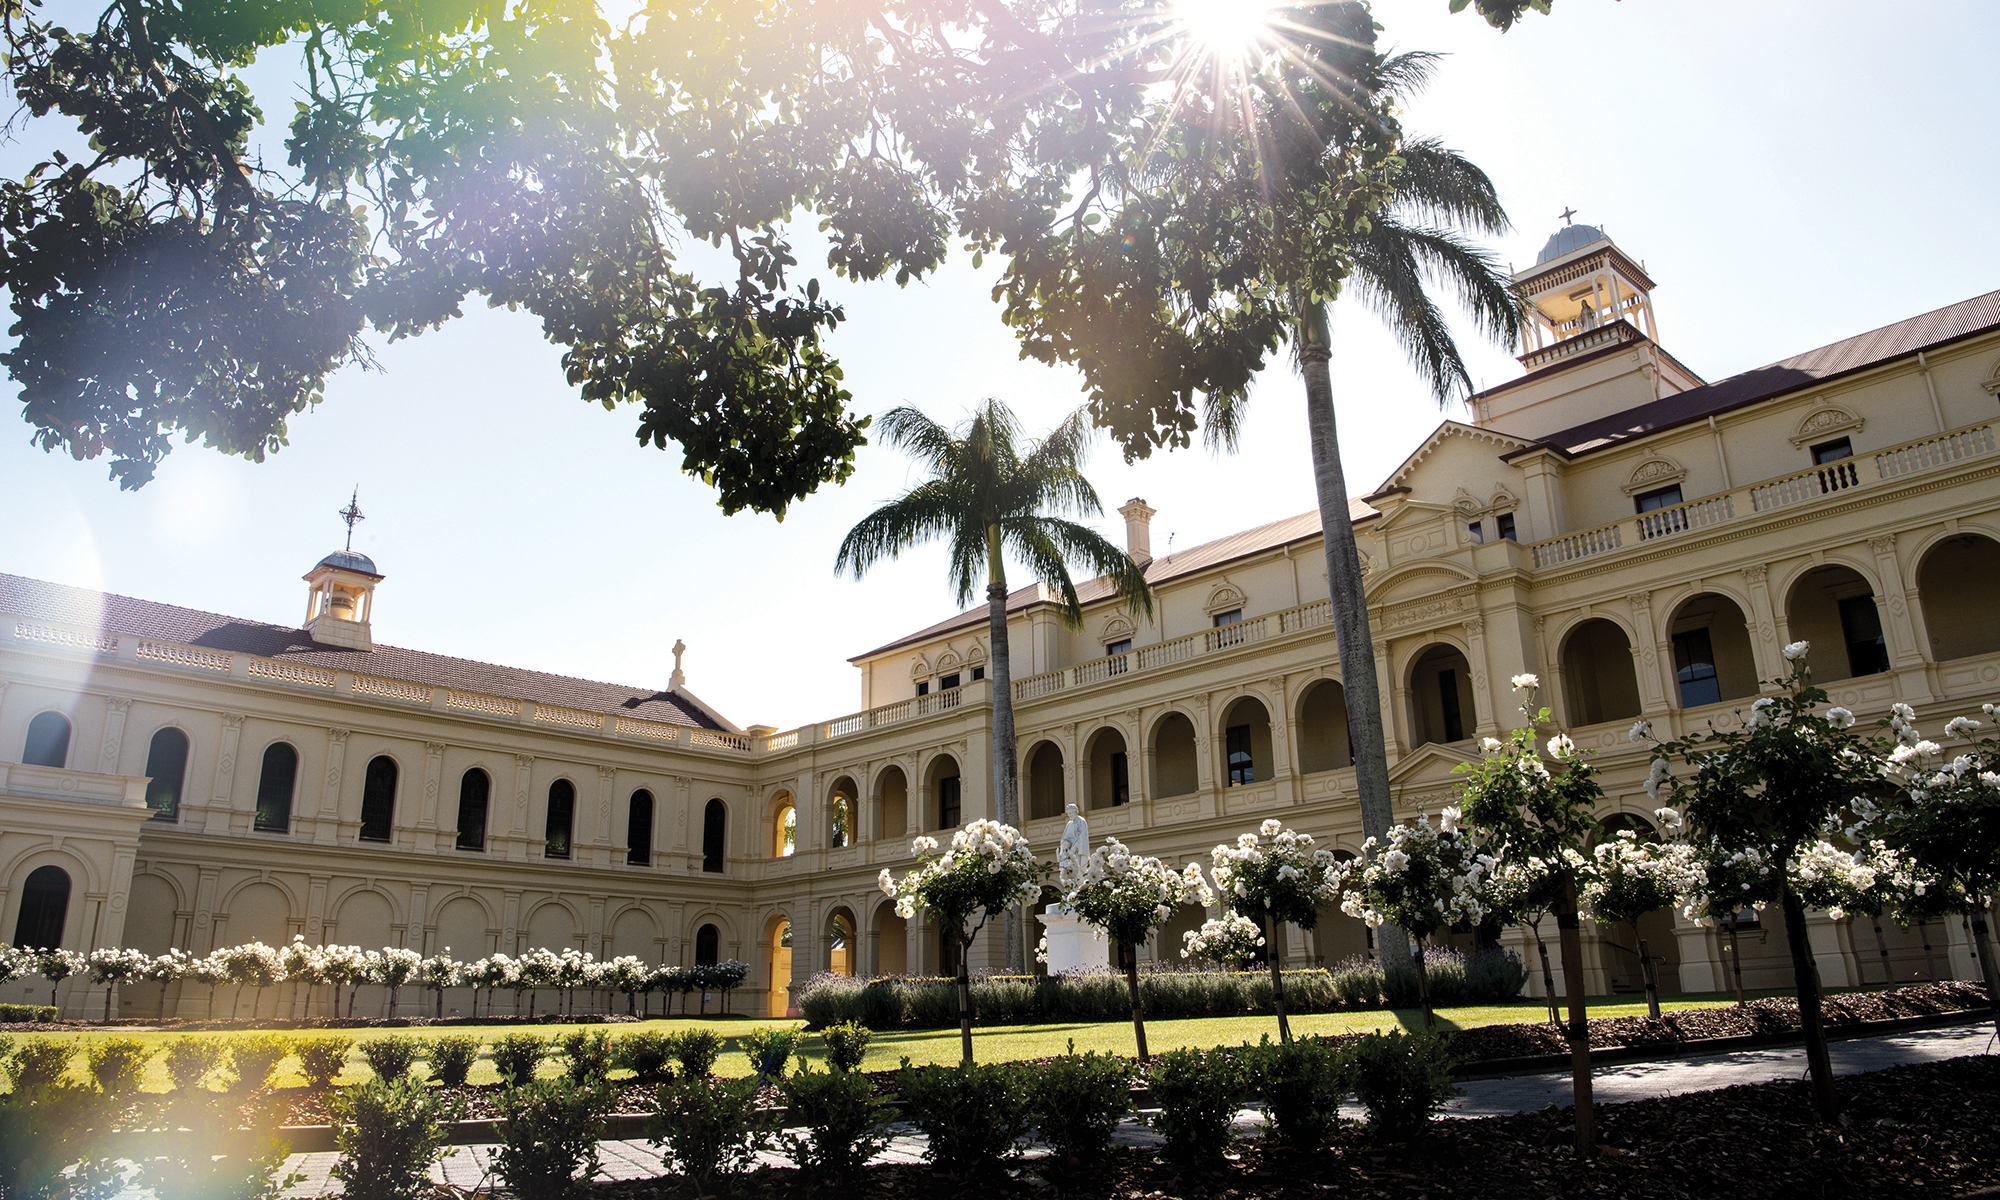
467 1166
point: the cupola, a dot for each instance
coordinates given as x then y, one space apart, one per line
341 595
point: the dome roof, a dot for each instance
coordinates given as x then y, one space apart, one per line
348 560
1566 239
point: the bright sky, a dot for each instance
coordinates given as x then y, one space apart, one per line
1792 172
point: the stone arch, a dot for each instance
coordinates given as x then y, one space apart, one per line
891 791
44 901
843 812
1176 761
462 925
397 914
554 924
1324 744
774 954
634 931
1042 790
1955 578
366 918
889 939
257 910
1243 729
725 928
841 933
1108 762
82 870
945 785
1442 708
782 815
1712 653
1599 679
1834 606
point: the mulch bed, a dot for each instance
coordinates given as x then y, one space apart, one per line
1925 1130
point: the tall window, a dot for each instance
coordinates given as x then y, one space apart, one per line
843 821
166 768
48 741
562 815
378 799
1861 624
274 788
1121 779
1242 769
473 788
44 908
1504 524
1120 654
714 843
1654 501
978 673
639 829
1694 667
785 841
1226 632
947 790
707 946
924 688
1454 717
948 682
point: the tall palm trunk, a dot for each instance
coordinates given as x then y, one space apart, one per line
1006 772
1356 645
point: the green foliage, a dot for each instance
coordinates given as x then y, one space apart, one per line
1403 1080
1501 14
586 1055
320 1058
834 1122
214 1160
648 1055
769 1050
190 1060
548 1145
711 1129
49 1128
23 1014
695 1050
392 1055
452 1057
39 1062
516 1055
1198 1092
1076 1101
972 1114
846 1045
117 1063
1302 1082
389 1135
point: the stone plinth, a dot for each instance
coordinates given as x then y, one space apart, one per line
1073 945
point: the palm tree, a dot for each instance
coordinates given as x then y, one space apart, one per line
990 495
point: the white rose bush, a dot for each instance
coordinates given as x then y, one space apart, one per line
1631 877
1422 879
1275 882
988 867
1128 896
1231 940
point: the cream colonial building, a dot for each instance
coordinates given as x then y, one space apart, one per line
1643 540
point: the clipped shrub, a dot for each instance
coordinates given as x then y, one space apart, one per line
320 1058
647 1055
1198 1092
39 1062
117 1063
834 1123
452 1058
190 1060
1481 977
1402 1079
392 1055
769 1050
1357 983
972 1114
846 1044
711 1129
55 1141
1302 1082
548 1144
586 1056
516 1055
695 1050
23 1014
389 1135
215 1160
254 1058
1076 1100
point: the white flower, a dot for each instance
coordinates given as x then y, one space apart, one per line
1525 681
1490 745
1796 651
1396 860
1448 819
1271 827
1963 727
886 882
1561 748
1839 718
1760 713
1640 731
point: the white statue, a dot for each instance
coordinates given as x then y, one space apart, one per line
1075 851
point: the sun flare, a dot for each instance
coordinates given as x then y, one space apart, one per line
1224 26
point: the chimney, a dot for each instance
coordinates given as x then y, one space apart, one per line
1138 530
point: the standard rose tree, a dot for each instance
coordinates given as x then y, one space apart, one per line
1128 896
988 867
1284 882
1421 879
1231 939
1631 877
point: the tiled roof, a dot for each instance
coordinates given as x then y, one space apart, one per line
60 604
1964 319
1174 566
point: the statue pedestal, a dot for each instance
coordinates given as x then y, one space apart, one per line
1073 945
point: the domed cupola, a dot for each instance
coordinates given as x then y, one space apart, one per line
341 598
1583 293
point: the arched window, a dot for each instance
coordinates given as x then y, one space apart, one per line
707 946
378 799
1954 582
713 836
166 767
1598 678
785 832
840 814
48 741
562 815
639 829
44 908
473 787
274 788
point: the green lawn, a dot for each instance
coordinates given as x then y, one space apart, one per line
992 1044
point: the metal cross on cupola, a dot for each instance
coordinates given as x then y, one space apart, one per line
1567 213
352 513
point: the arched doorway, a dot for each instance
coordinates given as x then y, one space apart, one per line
1441 701
1323 740
1599 683
784 826
1713 661
945 813
840 944
1246 743
1955 586
44 909
892 941
1834 608
892 800
781 967
1110 769
840 813
1044 782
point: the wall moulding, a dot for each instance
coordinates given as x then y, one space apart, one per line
1656 472
1825 421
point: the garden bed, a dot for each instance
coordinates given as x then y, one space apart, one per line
221 1024
1924 1130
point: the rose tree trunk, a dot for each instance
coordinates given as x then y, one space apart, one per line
1571 941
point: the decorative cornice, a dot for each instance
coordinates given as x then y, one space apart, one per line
1824 421
1657 471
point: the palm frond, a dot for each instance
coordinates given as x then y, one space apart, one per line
910 430
1074 543
926 511
1440 186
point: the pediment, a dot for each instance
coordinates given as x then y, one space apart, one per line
1825 421
1501 443
1429 764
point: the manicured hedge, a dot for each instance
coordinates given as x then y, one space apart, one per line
20 1014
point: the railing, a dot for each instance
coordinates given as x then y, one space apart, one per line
1804 487
291 672
479 702
553 714
659 731
781 741
1612 332
1246 632
74 639
391 689
184 656
890 714
716 738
